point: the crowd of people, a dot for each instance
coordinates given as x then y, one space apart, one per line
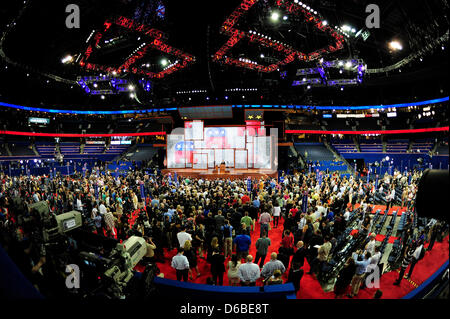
214 220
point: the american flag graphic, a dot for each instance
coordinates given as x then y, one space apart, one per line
216 138
184 152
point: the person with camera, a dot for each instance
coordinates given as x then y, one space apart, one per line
361 263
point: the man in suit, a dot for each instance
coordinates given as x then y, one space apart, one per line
299 255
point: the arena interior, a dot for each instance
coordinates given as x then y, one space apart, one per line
257 150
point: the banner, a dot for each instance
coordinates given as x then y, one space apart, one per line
249 184
96 190
305 202
368 174
142 190
376 182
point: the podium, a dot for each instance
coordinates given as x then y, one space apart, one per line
220 169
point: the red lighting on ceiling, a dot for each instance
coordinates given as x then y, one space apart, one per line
290 53
156 41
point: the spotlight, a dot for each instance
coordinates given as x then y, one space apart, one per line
102 97
274 16
262 55
130 87
346 28
340 71
348 64
308 87
325 22
341 63
226 97
95 85
285 18
67 59
164 62
342 89
132 95
395 45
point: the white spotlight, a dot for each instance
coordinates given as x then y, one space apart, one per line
395 45
274 16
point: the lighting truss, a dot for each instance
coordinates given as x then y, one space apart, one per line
356 66
155 39
292 7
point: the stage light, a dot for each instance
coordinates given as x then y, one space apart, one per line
262 55
226 97
285 18
387 158
131 88
443 48
308 87
243 96
274 16
395 45
102 97
164 62
131 95
304 79
353 30
342 89
346 28
325 22
348 64
341 63
67 59
340 71
95 85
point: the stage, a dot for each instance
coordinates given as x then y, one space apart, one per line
230 173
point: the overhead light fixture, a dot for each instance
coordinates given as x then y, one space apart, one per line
325 22
132 95
131 87
346 28
274 16
164 62
395 45
67 59
285 18
348 64
102 97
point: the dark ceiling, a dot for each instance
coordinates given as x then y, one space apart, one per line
39 40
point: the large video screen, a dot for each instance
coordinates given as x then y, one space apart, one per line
239 147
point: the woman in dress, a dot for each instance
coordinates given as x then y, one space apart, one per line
233 269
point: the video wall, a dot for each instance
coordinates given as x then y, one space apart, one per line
240 147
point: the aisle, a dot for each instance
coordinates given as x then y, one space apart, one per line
310 287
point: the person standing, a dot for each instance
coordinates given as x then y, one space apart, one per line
361 267
344 278
299 255
181 265
217 267
264 220
276 212
247 220
191 255
227 231
262 245
242 243
405 263
271 266
182 236
295 275
419 253
249 272
233 270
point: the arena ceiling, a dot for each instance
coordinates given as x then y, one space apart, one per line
35 40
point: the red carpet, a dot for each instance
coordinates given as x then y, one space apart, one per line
310 287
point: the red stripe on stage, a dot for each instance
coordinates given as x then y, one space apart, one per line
79 135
